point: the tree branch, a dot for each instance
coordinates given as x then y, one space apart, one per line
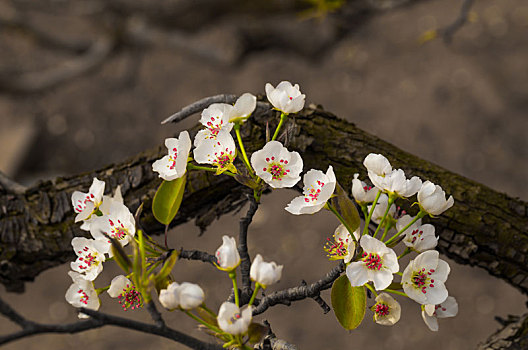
449 31
245 264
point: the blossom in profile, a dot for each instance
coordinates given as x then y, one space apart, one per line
423 279
286 97
215 118
396 183
219 152
377 264
126 293
231 319
90 257
244 106
431 313
318 188
417 236
265 273
387 311
277 166
432 199
361 192
342 245
169 297
119 224
191 295
227 256
82 293
86 204
174 165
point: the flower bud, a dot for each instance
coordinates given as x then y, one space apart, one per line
227 255
233 320
432 199
285 97
191 295
265 273
170 298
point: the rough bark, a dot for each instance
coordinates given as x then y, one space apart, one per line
513 335
485 228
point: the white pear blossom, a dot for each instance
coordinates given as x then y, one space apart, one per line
265 273
387 311
227 256
244 106
119 224
378 264
318 188
432 199
286 97
219 152
215 118
174 165
381 207
126 293
233 320
277 166
417 236
431 313
361 192
191 295
377 164
423 279
108 200
86 204
169 297
82 293
90 257
342 246
396 183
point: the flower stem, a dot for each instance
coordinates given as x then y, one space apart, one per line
283 117
209 311
199 320
367 220
389 203
396 292
418 216
254 295
242 149
371 289
364 211
405 252
213 170
387 227
232 275
341 219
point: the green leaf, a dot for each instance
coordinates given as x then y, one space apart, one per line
167 199
168 265
120 257
345 207
349 303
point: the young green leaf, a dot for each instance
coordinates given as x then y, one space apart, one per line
349 303
167 199
345 207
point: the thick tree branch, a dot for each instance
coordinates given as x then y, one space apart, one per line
245 260
485 228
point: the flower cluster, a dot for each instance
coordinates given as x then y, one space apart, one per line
106 218
423 280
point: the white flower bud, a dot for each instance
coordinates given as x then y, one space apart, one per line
265 273
191 295
170 298
285 97
432 199
361 192
227 255
233 320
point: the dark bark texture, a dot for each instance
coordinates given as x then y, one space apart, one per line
485 228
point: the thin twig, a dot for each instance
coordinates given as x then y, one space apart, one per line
198 106
155 314
245 264
300 292
197 255
320 301
449 31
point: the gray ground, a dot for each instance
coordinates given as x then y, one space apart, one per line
461 106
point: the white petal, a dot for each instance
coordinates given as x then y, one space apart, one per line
430 321
357 274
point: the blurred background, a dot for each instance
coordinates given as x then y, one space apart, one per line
86 83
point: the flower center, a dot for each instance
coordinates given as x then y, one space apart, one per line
235 318
215 125
372 261
420 279
336 248
313 192
130 298
81 204
276 169
172 159
84 297
119 231
382 309
87 258
223 159
416 234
